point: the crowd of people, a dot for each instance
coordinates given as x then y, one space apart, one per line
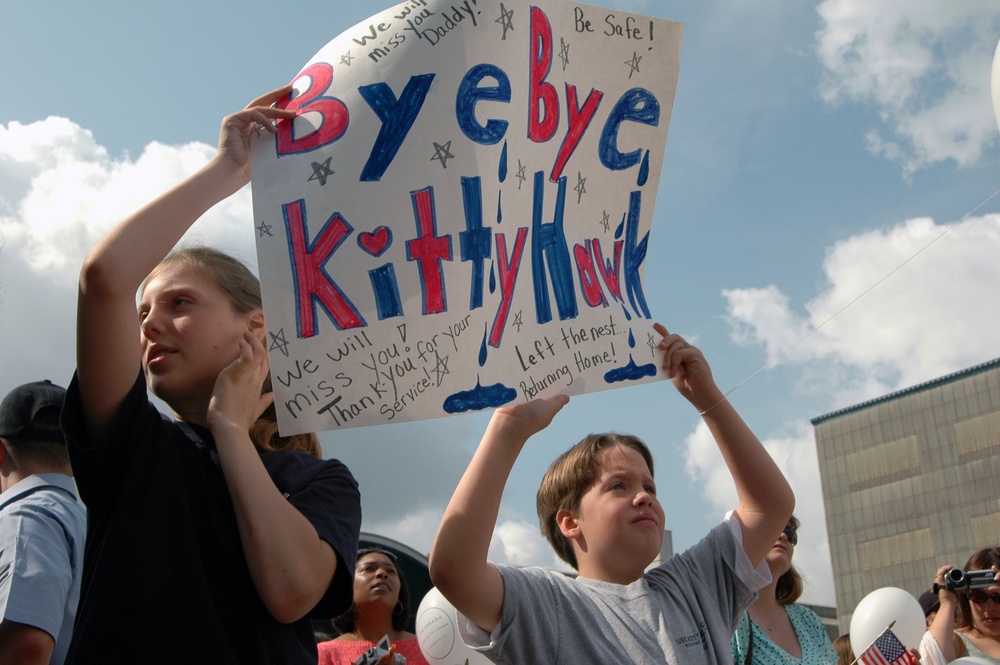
209 537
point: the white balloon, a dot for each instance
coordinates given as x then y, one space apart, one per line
972 660
437 634
880 608
995 83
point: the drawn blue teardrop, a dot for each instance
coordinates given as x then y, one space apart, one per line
643 170
502 171
482 349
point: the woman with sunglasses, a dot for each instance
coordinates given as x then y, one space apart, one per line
381 609
774 630
978 624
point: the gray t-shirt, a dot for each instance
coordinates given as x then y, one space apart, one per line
683 611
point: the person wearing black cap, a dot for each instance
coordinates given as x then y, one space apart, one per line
42 528
930 604
930 653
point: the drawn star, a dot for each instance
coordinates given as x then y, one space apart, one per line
521 177
651 343
263 229
257 129
581 186
633 63
606 222
517 321
346 59
442 153
440 367
321 171
506 20
279 342
563 52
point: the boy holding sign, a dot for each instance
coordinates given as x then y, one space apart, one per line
597 506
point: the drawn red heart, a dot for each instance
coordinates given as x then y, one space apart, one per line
375 243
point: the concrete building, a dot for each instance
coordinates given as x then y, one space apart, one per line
911 481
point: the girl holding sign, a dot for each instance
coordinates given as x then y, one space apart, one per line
210 538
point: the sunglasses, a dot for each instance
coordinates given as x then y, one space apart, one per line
979 597
791 535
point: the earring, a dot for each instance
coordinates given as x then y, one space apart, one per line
398 609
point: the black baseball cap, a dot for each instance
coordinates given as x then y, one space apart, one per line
929 602
21 405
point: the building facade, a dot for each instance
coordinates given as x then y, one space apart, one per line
911 481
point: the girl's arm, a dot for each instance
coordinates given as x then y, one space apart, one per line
291 566
766 499
458 560
108 351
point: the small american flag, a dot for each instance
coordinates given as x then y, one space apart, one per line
886 650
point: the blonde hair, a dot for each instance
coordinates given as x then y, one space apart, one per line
569 477
242 289
845 654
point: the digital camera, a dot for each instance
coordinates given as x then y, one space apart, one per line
961 581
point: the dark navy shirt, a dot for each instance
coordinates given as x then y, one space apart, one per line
165 578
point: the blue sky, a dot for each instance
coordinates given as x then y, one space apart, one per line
814 148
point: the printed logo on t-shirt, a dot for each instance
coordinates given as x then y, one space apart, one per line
695 639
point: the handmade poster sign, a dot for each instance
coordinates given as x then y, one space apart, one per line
459 216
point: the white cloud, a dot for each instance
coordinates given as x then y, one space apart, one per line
65 192
931 312
520 543
896 56
415 529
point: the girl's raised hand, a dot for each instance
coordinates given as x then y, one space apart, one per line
236 398
238 128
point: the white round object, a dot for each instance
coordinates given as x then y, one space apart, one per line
437 634
882 607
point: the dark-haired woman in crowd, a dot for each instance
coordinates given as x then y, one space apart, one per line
774 629
381 608
978 625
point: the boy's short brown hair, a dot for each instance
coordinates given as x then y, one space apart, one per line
569 477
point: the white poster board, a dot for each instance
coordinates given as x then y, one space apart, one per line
459 216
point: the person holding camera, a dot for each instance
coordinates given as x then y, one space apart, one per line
977 595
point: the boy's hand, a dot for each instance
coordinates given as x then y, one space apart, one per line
687 368
530 417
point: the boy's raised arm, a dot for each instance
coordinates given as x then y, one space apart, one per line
766 499
458 559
